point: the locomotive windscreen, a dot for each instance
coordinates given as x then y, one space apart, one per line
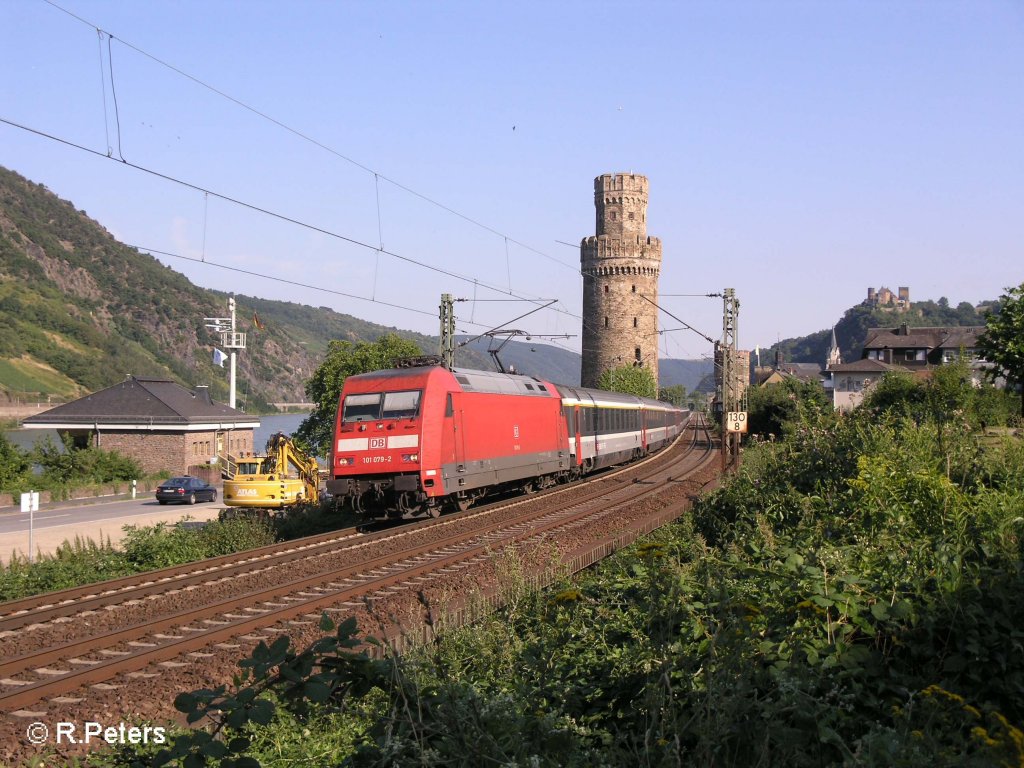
378 406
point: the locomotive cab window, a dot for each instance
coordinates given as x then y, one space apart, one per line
375 407
401 405
361 408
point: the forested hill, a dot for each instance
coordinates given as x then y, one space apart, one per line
80 310
852 328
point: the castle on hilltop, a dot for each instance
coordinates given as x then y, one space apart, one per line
883 297
620 266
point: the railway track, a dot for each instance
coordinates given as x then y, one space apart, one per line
257 595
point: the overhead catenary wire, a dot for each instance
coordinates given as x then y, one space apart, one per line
678 320
277 278
278 216
305 137
103 90
503 325
113 92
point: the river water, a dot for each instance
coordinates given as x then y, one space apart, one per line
278 422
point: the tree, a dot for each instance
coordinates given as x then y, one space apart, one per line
630 381
1002 341
771 406
676 394
895 394
344 359
14 466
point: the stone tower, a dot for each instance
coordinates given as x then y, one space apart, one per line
620 266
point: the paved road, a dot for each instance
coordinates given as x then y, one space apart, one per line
87 515
63 521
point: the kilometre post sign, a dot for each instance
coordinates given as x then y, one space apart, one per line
736 421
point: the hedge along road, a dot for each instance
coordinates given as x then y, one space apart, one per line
63 521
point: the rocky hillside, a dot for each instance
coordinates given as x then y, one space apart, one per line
79 310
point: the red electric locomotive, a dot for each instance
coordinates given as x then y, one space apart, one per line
410 442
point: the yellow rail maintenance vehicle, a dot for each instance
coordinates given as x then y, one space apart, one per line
283 477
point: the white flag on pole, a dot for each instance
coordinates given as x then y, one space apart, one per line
219 357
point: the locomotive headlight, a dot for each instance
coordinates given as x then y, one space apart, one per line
410 457
346 461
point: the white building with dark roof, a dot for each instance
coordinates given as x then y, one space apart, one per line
914 350
847 382
159 423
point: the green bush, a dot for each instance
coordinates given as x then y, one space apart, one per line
160 546
72 564
143 548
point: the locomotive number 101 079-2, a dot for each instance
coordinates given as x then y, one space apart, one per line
376 459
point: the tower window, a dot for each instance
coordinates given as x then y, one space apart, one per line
606 289
636 354
630 215
613 215
634 322
634 289
606 322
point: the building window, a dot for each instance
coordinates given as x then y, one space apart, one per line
613 215
606 289
636 353
606 322
630 215
634 322
634 289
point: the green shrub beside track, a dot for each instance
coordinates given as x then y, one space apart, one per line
143 549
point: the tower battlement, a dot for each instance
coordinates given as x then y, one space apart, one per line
630 183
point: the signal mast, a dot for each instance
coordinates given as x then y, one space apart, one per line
230 339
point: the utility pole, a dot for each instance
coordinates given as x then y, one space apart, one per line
447 338
230 339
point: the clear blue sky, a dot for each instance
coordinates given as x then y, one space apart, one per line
798 152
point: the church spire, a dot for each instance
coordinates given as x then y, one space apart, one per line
834 357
